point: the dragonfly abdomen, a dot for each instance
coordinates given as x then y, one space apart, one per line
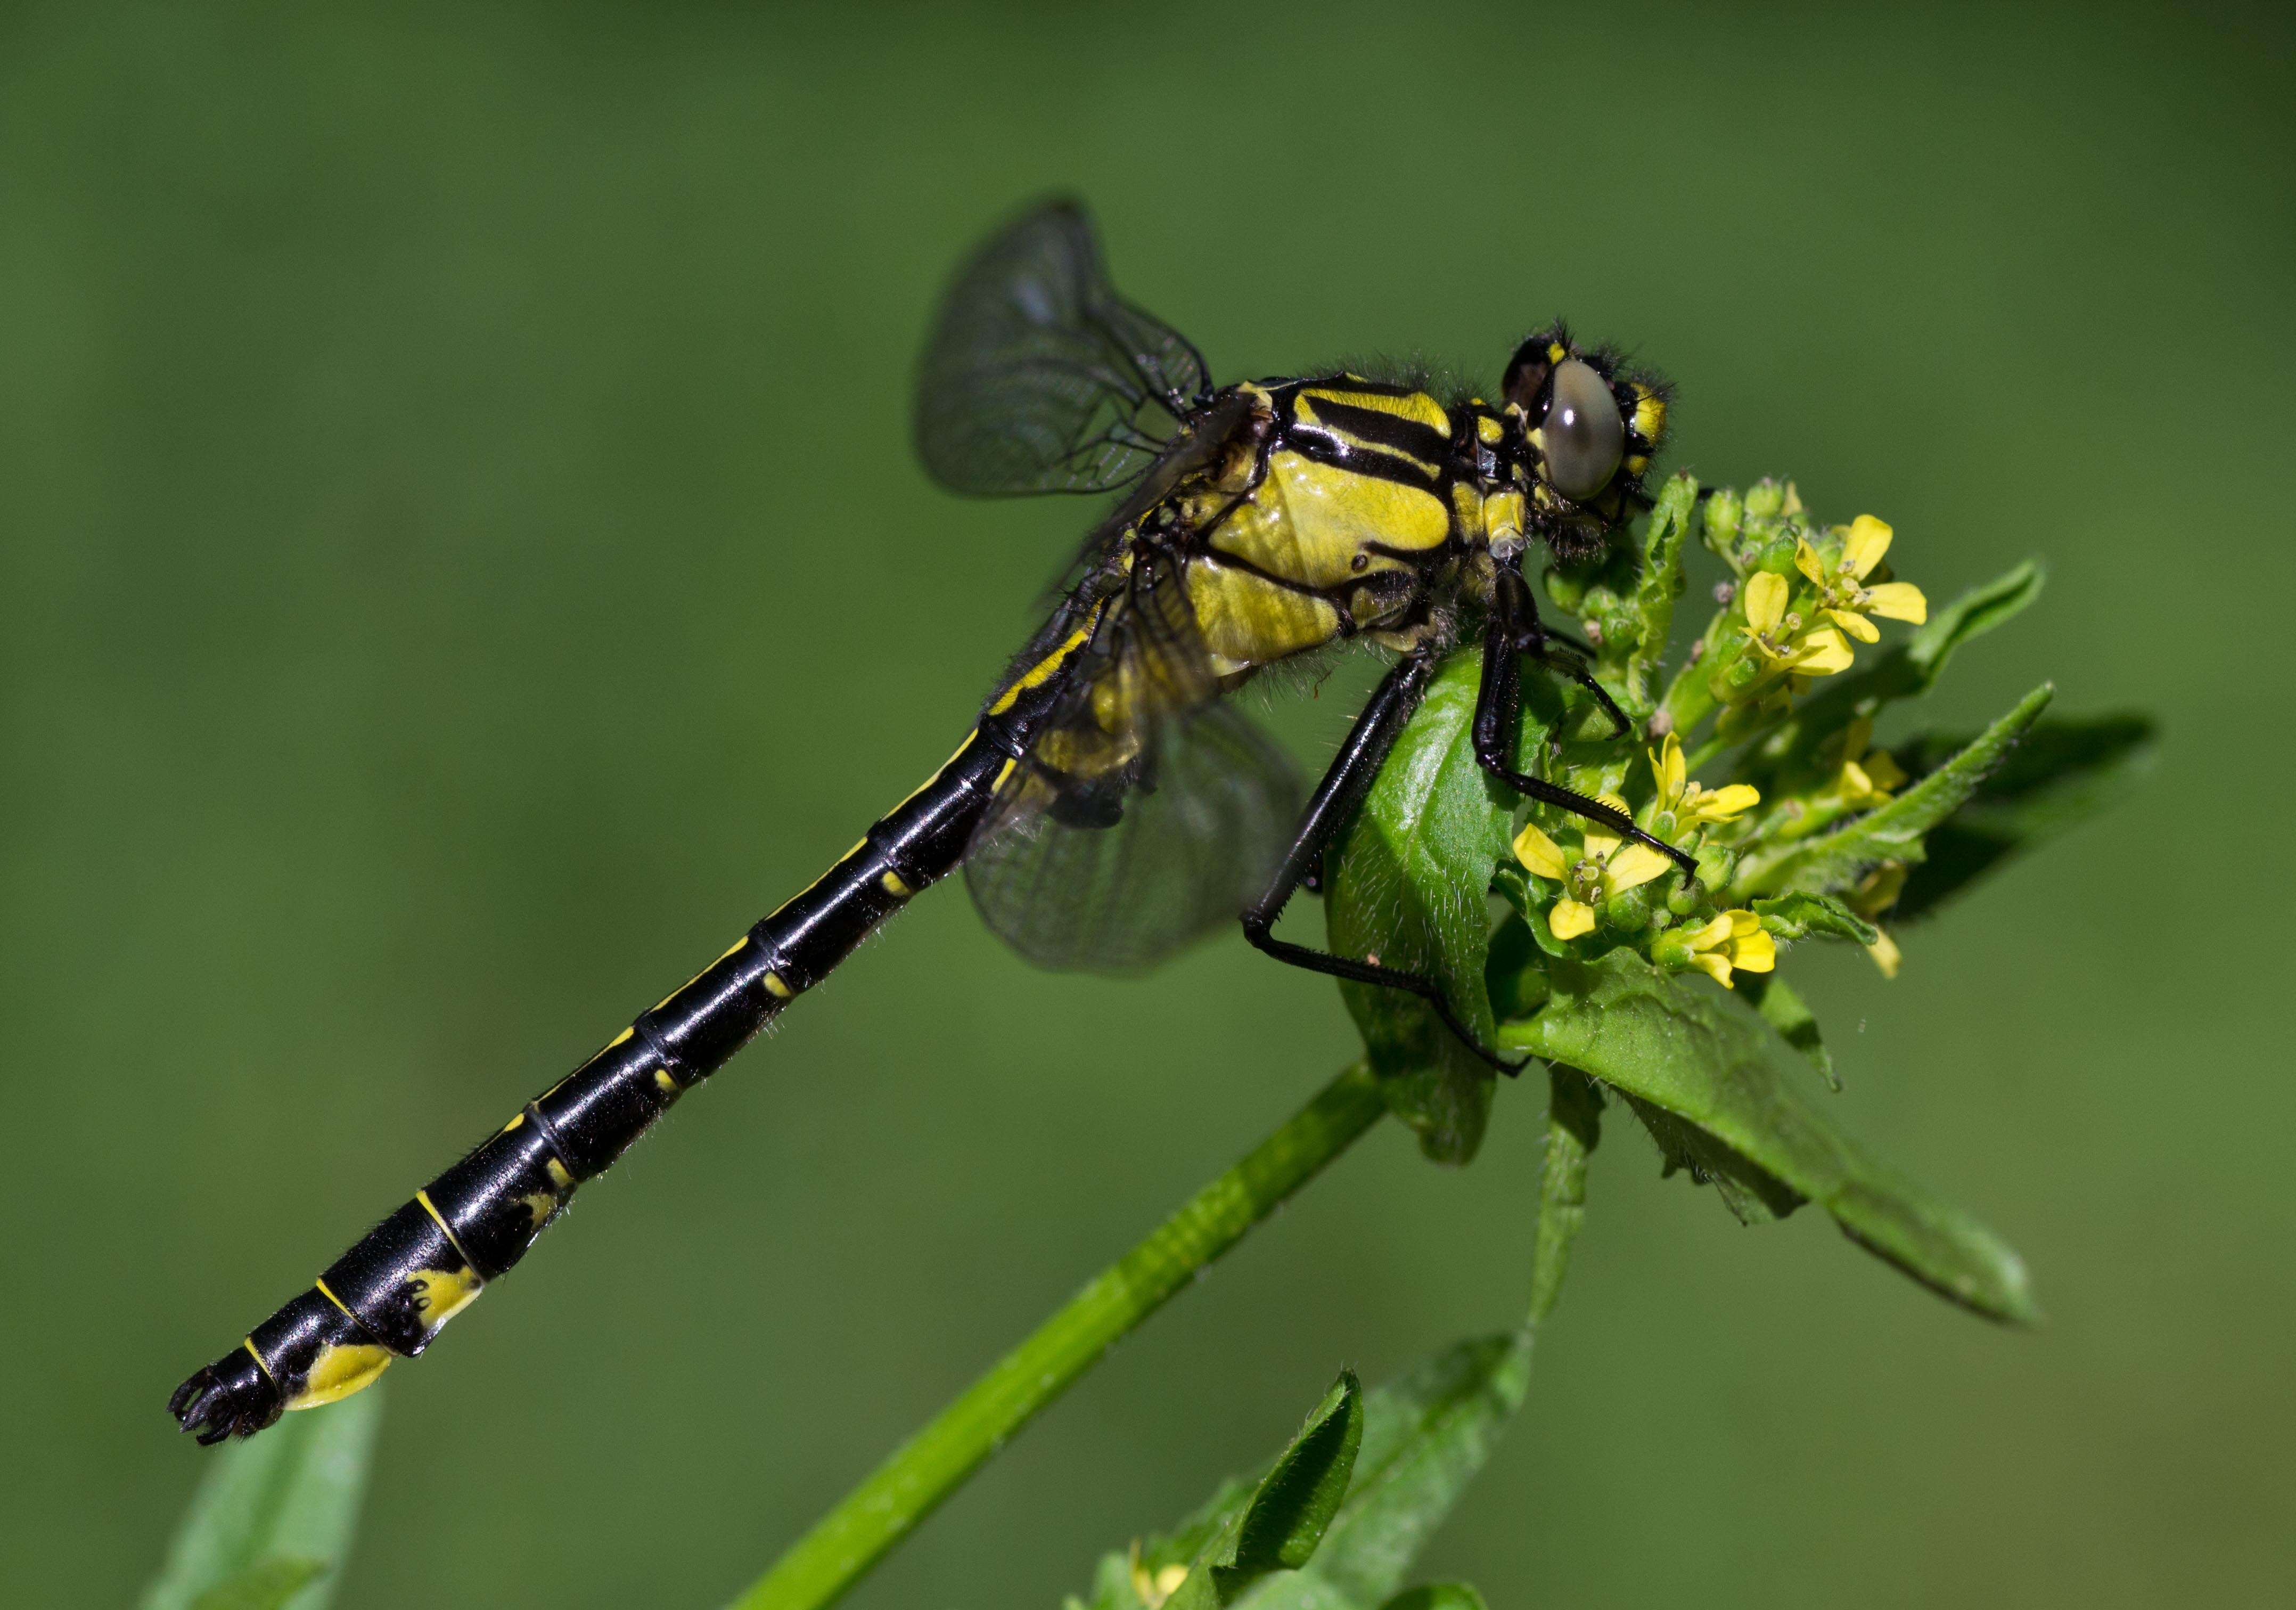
389 1295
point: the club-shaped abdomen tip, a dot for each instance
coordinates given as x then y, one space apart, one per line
232 1397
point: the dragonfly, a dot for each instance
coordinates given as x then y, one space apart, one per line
1111 805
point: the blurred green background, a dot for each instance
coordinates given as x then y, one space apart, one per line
463 562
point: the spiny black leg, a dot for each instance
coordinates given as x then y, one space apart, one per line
1577 670
1513 630
1335 797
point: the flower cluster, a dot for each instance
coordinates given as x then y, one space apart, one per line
1805 596
1593 877
1801 602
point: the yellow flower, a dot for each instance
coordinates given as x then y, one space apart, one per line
1875 895
1683 803
1154 1587
1730 942
1865 779
1843 595
1787 642
1605 864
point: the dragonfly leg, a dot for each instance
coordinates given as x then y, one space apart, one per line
1328 808
1514 631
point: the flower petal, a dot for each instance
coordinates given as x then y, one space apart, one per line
1570 919
1856 625
1758 952
1823 652
1730 800
1897 600
1714 965
1855 782
1539 853
1883 767
1808 561
1633 865
1886 955
1709 933
1670 770
1863 548
1766 599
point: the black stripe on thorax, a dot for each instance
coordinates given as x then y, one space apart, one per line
1322 448
1410 438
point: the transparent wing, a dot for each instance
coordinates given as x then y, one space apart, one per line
1146 815
1039 378
1200 827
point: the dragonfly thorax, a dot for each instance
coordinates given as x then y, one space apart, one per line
1345 507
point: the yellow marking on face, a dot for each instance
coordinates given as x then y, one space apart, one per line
661 1077
1636 464
1044 668
321 1287
340 1370
559 1176
1488 430
1556 352
891 884
778 989
1249 621
1414 405
1650 414
440 1294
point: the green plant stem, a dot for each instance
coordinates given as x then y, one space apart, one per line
866 1523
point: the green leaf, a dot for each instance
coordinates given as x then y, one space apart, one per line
272 1522
1288 1513
1788 759
1424 1438
1797 914
264 1587
1436 1596
1682 1047
1752 1194
1426 1435
1835 861
1408 887
1787 1013
2063 772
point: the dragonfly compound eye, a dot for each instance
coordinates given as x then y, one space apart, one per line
1584 435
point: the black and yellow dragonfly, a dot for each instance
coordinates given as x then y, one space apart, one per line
1108 809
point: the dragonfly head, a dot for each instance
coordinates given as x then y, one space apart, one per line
1590 426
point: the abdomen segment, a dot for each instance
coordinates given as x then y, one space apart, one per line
389 1295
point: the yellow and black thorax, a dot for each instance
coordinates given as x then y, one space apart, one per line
1341 507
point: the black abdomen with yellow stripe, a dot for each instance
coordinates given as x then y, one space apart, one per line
389 1295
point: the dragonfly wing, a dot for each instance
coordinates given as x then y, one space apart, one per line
1039 378
1146 814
